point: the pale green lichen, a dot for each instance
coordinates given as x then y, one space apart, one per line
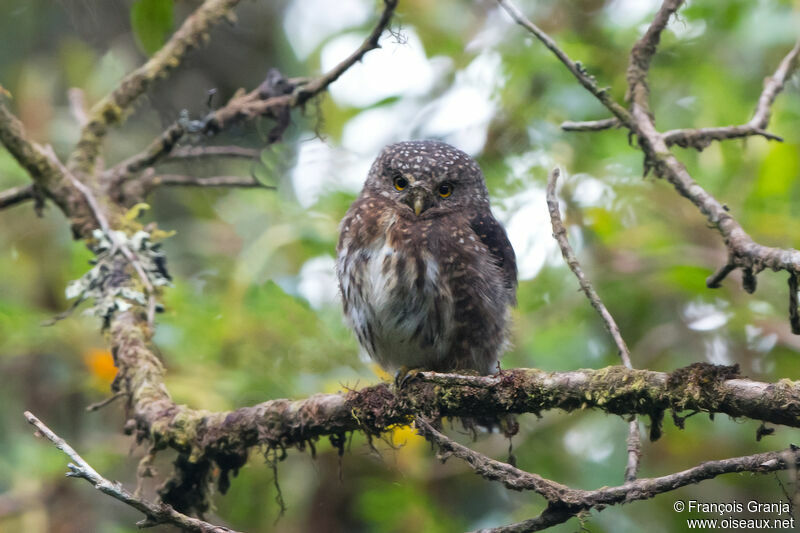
101 283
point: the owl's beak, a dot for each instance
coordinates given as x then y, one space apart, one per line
419 200
417 205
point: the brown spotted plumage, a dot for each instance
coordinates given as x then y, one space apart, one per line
427 274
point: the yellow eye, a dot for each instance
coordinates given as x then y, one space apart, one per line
400 183
445 190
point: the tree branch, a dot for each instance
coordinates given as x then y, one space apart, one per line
254 104
209 152
773 85
30 155
743 252
273 98
591 125
560 234
174 180
565 502
575 67
646 488
112 109
47 175
155 513
214 181
159 148
16 195
641 56
225 438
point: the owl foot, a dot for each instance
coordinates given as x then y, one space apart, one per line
406 375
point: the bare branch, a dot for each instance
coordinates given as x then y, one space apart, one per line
701 138
16 195
577 70
30 155
565 502
743 252
159 148
510 476
273 98
113 108
794 313
317 85
254 104
646 488
560 234
214 181
641 56
162 149
773 85
208 152
45 171
592 125
714 280
155 513
102 403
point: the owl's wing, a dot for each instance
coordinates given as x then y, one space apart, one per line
493 235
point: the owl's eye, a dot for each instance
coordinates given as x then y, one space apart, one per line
445 190
400 183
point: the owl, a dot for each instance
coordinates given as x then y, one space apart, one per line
427 274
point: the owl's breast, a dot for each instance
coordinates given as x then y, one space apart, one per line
396 300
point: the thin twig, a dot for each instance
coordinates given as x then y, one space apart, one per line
305 92
213 181
773 85
715 279
634 441
573 501
248 105
102 403
155 513
743 251
204 152
253 104
30 155
16 195
591 125
701 138
794 313
560 234
113 108
160 147
575 67
641 56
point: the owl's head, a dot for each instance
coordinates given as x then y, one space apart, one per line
427 178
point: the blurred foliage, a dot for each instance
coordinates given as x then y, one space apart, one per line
254 313
151 21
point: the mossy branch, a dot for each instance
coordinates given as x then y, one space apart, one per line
113 108
206 438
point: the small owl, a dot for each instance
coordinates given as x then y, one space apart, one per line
427 274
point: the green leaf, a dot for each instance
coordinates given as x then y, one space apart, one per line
151 21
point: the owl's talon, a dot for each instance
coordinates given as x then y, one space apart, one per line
405 375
